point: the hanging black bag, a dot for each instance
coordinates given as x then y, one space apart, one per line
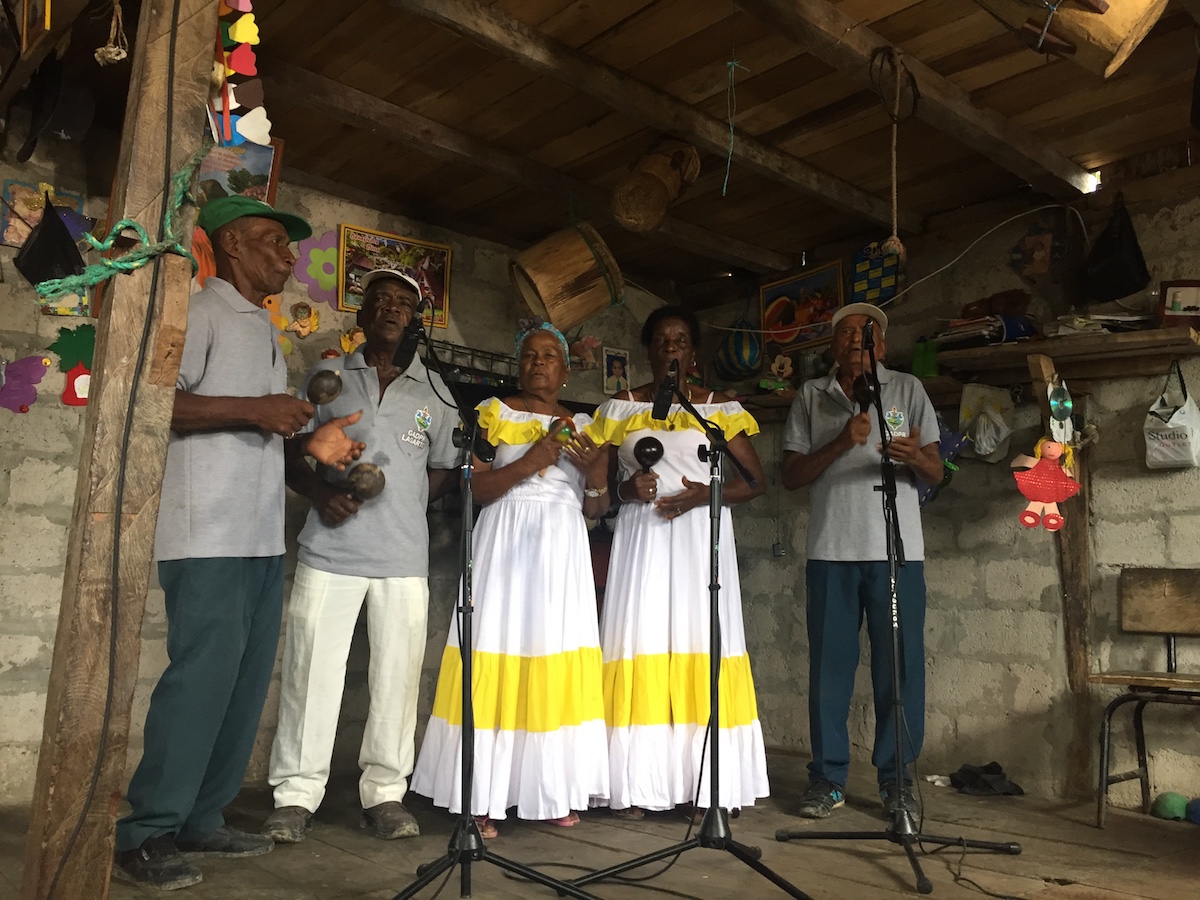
1115 267
49 252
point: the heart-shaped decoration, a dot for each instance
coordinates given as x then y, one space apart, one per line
249 94
226 41
242 61
240 5
235 136
245 30
234 101
254 126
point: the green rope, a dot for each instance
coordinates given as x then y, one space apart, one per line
136 258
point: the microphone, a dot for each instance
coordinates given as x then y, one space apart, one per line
868 334
407 347
666 392
864 396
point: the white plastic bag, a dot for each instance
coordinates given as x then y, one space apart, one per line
1172 427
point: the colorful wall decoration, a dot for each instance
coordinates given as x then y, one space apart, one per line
360 250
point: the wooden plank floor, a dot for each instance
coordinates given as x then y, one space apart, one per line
1064 858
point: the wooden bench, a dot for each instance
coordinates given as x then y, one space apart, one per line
1165 602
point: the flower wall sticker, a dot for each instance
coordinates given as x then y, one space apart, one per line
316 267
18 382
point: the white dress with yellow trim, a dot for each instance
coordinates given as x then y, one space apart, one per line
654 628
540 742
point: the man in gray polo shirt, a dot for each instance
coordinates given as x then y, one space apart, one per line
351 550
832 446
220 551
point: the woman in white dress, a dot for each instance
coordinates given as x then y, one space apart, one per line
655 622
538 702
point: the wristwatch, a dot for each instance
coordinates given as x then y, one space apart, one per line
596 492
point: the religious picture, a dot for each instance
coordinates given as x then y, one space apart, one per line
616 370
360 250
247 170
23 204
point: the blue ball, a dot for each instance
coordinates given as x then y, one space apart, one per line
1192 813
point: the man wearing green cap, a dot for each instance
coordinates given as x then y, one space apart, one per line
220 551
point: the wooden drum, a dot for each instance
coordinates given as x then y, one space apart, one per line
568 277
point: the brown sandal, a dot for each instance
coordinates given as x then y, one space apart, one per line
633 813
487 828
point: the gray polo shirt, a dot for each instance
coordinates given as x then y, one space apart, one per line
222 492
407 432
846 521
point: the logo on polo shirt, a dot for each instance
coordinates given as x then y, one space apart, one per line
895 423
424 419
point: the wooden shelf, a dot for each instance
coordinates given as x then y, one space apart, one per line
1076 356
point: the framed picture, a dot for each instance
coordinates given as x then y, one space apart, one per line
796 310
23 204
616 370
35 22
1179 303
360 250
248 169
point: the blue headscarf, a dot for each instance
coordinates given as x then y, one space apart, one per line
534 329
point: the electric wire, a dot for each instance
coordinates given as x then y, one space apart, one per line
122 464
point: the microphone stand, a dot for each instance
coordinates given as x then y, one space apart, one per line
902 829
466 843
714 832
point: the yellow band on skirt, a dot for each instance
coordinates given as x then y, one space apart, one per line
517 693
666 689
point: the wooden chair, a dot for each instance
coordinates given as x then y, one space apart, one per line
1153 601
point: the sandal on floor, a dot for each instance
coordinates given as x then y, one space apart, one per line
633 813
487 828
569 820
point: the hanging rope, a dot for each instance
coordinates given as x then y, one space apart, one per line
731 66
117 47
885 63
139 256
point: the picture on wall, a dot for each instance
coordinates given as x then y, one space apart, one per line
796 310
23 205
251 170
616 370
361 249
35 22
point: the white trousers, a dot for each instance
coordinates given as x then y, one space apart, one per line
320 625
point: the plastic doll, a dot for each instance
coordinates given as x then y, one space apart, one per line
1046 483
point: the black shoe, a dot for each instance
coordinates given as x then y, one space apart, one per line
288 824
821 798
158 864
227 843
390 821
893 803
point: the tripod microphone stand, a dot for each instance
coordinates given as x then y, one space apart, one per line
713 833
902 829
466 843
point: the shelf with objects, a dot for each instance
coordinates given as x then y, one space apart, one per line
1077 356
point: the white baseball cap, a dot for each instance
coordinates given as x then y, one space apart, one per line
862 309
375 274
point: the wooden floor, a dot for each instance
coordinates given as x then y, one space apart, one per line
1064 858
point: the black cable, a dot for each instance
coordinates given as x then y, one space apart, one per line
122 462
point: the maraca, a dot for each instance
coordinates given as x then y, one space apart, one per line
562 430
647 452
366 481
325 386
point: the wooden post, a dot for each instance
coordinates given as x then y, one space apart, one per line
1074 563
58 862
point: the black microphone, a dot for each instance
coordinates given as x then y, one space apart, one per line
863 395
868 334
407 347
666 392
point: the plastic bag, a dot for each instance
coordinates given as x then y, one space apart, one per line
1172 427
1115 267
49 252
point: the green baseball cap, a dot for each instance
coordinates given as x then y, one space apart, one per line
223 210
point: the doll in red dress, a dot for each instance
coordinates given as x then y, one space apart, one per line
1046 483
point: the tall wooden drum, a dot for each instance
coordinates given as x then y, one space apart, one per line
568 277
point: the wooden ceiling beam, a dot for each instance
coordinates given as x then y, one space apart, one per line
832 36
402 126
515 40
62 19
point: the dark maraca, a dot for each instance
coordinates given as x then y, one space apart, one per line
365 481
325 386
647 452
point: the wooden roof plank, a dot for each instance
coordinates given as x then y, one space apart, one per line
517 40
838 39
404 127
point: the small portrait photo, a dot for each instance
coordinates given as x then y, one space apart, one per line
616 370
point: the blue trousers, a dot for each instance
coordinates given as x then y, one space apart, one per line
840 596
223 618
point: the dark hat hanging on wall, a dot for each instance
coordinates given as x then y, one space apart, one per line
49 251
63 106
